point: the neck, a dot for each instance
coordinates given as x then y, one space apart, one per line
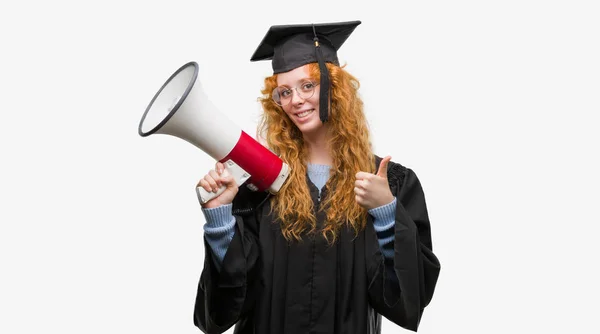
318 148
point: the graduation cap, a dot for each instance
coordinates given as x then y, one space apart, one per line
291 46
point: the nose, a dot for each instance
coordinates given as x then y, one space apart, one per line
296 98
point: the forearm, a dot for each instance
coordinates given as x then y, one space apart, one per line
384 221
219 230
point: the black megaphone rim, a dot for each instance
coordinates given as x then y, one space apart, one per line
177 105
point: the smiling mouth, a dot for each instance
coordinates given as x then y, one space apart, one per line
304 113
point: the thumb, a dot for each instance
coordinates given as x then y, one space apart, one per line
227 179
382 172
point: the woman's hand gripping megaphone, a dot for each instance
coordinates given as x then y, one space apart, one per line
220 185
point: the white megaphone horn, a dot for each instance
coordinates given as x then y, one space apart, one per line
181 109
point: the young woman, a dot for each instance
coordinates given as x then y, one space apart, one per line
346 239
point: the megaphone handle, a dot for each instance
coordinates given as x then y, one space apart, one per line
205 196
239 175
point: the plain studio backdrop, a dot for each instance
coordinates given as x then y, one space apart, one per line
494 104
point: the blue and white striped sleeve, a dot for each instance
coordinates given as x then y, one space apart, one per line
384 221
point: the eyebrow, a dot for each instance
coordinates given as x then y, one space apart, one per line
300 81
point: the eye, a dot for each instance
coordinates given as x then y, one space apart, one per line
284 92
307 86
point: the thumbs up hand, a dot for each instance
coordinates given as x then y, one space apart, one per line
372 190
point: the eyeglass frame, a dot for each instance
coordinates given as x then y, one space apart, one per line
315 84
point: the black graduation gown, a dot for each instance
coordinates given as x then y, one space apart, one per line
268 285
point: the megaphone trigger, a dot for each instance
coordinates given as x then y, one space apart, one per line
239 175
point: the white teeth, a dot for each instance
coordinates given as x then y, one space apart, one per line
304 113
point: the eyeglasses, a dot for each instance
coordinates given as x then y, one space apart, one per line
282 95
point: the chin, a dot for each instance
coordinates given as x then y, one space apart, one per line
311 127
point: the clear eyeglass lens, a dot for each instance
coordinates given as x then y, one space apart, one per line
283 95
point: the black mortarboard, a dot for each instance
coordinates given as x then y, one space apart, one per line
291 46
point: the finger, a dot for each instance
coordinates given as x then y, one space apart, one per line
383 167
358 200
219 167
226 180
363 175
204 184
359 191
215 177
361 184
211 182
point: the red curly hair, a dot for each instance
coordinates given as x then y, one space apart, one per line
348 134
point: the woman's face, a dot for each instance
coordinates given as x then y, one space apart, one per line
304 112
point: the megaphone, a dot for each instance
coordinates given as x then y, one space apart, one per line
181 109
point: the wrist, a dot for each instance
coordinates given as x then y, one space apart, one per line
214 203
383 202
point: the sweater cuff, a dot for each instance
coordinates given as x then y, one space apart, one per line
384 215
218 217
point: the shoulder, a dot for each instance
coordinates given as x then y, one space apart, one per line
397 173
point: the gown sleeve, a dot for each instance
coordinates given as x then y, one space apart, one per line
225 296
401 287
